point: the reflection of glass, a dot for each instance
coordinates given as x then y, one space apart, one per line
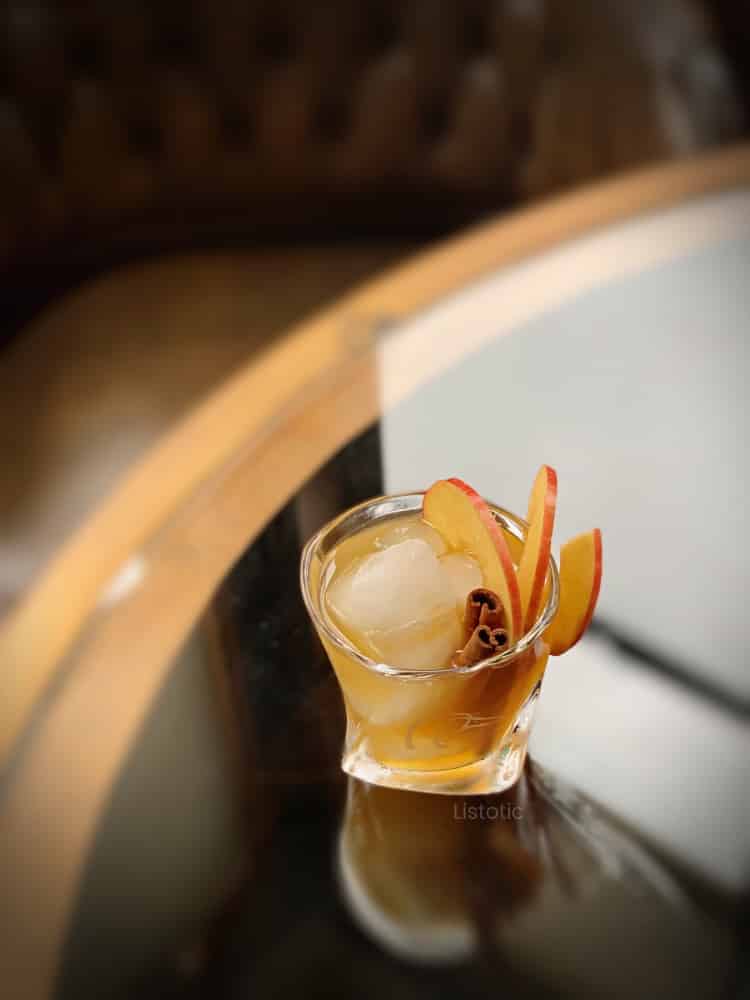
451 730
559 899
400 866
430 877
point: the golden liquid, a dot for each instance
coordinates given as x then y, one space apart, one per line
441 721
390 848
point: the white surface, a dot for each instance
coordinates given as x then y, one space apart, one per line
658 756
634 389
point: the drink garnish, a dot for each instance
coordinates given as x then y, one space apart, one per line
483 607
534 564
466 523
580 580
513 596
499 639
479 647
483 642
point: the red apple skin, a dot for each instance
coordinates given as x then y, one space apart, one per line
542 556
598 563
501 548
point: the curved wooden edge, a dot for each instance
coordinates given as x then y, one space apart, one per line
49 617
302 400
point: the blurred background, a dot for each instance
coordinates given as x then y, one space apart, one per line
181 181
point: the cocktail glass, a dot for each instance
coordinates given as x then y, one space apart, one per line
451 730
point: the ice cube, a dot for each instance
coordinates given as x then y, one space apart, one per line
402 530
421 645
464 575
400 585
399 605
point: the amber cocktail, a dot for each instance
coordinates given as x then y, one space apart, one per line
387 593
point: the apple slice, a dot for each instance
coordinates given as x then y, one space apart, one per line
464 520
580 579
534 564
515 546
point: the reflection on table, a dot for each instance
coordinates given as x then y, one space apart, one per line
538 878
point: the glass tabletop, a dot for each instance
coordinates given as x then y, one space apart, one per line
619 863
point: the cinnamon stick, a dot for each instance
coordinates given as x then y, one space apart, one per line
483 607
499 639
479 647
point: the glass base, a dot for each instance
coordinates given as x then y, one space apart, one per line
496 772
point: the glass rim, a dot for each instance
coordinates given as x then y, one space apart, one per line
402 503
